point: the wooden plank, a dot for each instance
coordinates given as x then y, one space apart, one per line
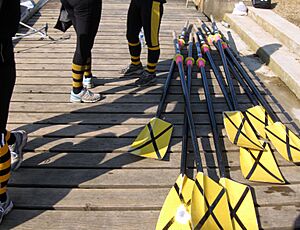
115 107
61 159
125 89
129 199
110 144
131 220
121 178
121 98
80 220
103 119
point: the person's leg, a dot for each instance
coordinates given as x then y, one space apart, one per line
81 14
152 12
96 16
7 82
134 26
16 140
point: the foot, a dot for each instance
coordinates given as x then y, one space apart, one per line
88 82
5 208
16 150
85 96
146 79
132 70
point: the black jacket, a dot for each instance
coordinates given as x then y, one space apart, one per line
9 18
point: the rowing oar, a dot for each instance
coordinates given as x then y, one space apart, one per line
209 200
153 141
240 199
234 120
265 120
237 127
176 210
181 40
256 165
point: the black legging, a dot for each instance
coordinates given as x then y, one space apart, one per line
146 14
85 16
7 79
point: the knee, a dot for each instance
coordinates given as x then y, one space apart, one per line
132 38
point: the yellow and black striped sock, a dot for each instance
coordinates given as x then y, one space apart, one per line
135 52
151 67
77 75
5 163
88 69
153 56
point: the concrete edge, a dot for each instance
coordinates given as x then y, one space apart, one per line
280 28
285 73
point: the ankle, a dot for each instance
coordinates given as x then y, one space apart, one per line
3 197
77 90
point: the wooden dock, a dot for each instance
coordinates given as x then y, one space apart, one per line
77 173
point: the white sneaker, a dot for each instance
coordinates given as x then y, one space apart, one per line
88 82
16 149
85 96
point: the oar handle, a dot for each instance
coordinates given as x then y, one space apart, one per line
204 27
214 25
188 110
184 30
166 88
205 50
251 84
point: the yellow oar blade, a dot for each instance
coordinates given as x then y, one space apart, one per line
209 206
285 141
239 131
259 118
241 205
176 211
153 141
260 165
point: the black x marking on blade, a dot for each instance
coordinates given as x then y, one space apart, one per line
257 162
152 138
242 133
211 207
233 211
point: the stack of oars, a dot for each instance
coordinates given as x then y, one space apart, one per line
202 203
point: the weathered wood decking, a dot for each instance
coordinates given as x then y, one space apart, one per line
76 173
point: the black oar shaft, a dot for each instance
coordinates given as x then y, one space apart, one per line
211 113
237 76
216 71
165 90
168 81
188 107
218 45
185 129
249 81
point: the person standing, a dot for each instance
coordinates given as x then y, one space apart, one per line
11 143
146 14
85 17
